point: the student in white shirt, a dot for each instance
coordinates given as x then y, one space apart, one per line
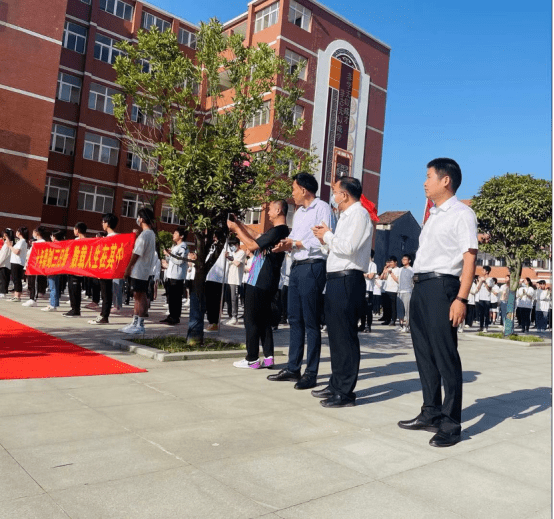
18 257
5 265
377 295
470 313
495 289
543 298
370 280
236 258
391 276
349 249
36 284
444 269
405 287
175 263
484 288
526 294
140 268
191 273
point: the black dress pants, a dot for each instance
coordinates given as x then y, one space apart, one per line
4 280
436 350
74 289
106 289
174 291
367 319
344 305
257 322
95 289
213 300
389 307
483 309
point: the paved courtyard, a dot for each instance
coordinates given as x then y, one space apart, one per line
201 439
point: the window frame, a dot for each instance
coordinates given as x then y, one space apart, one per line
48 187
266 17
155 19
135 200
99 147
53 139
62 82
66 37
112 51
96 196
149 165
249 216
299 9
116 4
174 220
190 39
294 59
108 94
260 115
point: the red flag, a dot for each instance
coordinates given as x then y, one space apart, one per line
370 207
428 204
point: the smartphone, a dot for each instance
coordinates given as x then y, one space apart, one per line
231 217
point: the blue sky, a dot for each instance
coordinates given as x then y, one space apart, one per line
468 80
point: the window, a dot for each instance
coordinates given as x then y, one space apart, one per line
139 115
117 8
169 215
148 20
187 38
260 117
69 88
253 216
299 15
241 29
100 98
95 198
295 60
63 139
101 149
145 65
267 17
56 192
74 37
104 49
141 161
132 202
290 215
224 81
86 2
297 113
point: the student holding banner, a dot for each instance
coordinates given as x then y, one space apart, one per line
74 282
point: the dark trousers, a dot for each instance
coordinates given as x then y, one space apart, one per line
368 317
525 314
213 300
285 303
74 289
36 285
435 343
542 320
344 305
257 322
95 289
306 284
470 315
389 306
106 289
4 280
376 304
174 290
17 276
483 311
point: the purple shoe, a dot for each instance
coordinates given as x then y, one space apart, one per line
268 362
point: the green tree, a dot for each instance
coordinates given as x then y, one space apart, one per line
515 216
196 114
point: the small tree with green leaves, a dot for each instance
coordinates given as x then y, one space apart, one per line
515 216
192 118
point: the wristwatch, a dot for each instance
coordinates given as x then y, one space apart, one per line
294 247
465 301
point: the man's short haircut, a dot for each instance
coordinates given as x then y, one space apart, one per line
352 186
542 282
111 219
182 232
282 205
447 167
306 181
487 269
393 258
81 227
59 235
495 280
372 253
147 215
409 256
43 232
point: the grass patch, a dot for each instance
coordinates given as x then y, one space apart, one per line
176 344
519 338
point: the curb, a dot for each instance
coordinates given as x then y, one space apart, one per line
163 356
506 341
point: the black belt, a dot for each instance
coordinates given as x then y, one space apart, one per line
424 276
306 262
343 273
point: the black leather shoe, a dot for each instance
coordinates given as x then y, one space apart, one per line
361 328
307 381
417 424
283 375
445 439
326 392
338 401
166 320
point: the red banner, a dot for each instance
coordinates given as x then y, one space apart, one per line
104 258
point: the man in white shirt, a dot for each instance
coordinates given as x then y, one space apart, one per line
390 274
484 288
405 287
140 268
447 250
306 282
370 278
349 251
175 263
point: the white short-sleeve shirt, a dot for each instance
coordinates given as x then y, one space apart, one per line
19 259
370 283
145 248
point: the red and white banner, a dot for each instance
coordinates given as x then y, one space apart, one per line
104 258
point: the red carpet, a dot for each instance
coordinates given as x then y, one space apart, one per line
28 353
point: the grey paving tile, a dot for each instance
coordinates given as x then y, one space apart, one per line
283 476
196 388
68 464
36 507
12 404
376 500
545 513
64 383
183 492
26 385
14 481
540 441
55 427
469 490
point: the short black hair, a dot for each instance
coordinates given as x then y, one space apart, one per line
81 227
24 232
182 232
282 205
487 269
111 219
495 280
352 186
59 235
542 282
409 256
447 167
372 253
306 181
9 233
393 258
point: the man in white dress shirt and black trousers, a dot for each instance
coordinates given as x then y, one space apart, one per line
447 250
349 256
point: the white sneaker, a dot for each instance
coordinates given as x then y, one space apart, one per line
126 329
232 321
136 330
49 309
400 329
245 364
187 303
403 329
2 296
31 302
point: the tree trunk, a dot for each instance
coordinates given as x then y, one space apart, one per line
514 267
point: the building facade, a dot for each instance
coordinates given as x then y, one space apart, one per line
84 167
397 233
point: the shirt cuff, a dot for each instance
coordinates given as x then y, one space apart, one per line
327 237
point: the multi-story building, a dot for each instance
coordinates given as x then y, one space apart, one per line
88 169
